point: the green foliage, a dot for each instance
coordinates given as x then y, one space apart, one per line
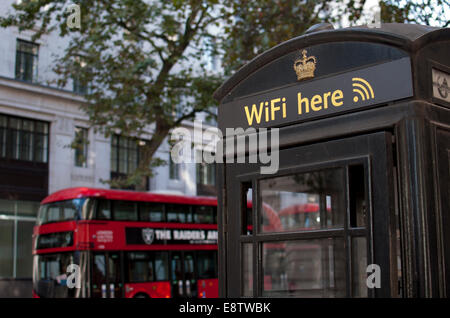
144 61
428 12
137 59
257 26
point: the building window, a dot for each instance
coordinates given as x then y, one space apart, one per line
79 86
80 146
125 154
174 169
17 219
26 61
206 173
23 139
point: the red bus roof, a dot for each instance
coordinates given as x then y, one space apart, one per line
83 192
301 208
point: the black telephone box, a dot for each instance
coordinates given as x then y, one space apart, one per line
342 186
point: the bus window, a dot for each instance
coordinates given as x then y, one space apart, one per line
189 275
136 264
214 215
203 214
177 273
88 210
161 270
189 217
305 201
176 213
206 264
53 213
151 212
146 267
114 267
69 210
61 211
99 276
124 211
139 267
189 265
103 210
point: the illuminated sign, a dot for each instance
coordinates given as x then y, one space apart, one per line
153 236
345 92
53 240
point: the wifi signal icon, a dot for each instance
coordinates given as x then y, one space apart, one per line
362 88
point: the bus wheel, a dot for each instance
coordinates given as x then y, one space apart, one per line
141 295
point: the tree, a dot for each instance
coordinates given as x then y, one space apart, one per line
256 26
428 12
142 59
143 63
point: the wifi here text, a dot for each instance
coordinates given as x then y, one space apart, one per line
275 108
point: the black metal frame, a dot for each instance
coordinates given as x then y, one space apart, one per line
412 209
372 157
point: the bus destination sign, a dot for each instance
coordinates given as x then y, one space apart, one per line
344 92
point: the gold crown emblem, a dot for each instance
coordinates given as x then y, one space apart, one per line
305 66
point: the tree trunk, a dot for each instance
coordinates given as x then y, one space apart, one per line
149 151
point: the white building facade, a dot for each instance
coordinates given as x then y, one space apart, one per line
38 124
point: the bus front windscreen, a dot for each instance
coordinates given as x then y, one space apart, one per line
61 211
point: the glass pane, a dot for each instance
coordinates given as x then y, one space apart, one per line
24 255
306 268
6 248
27 125
176 213
103 210
359 260
2 141
247 269
69 210
177 273
54 213
303 201
27 208
247 209
358 196
41 127
25 146
40 147
138 267
206 262
161 268
3 121
7 206
151 212
189 265
125 210
203 214
99 270
27 47
61 211
114 268
80 146
174 169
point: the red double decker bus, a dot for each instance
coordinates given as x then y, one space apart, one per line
125 244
